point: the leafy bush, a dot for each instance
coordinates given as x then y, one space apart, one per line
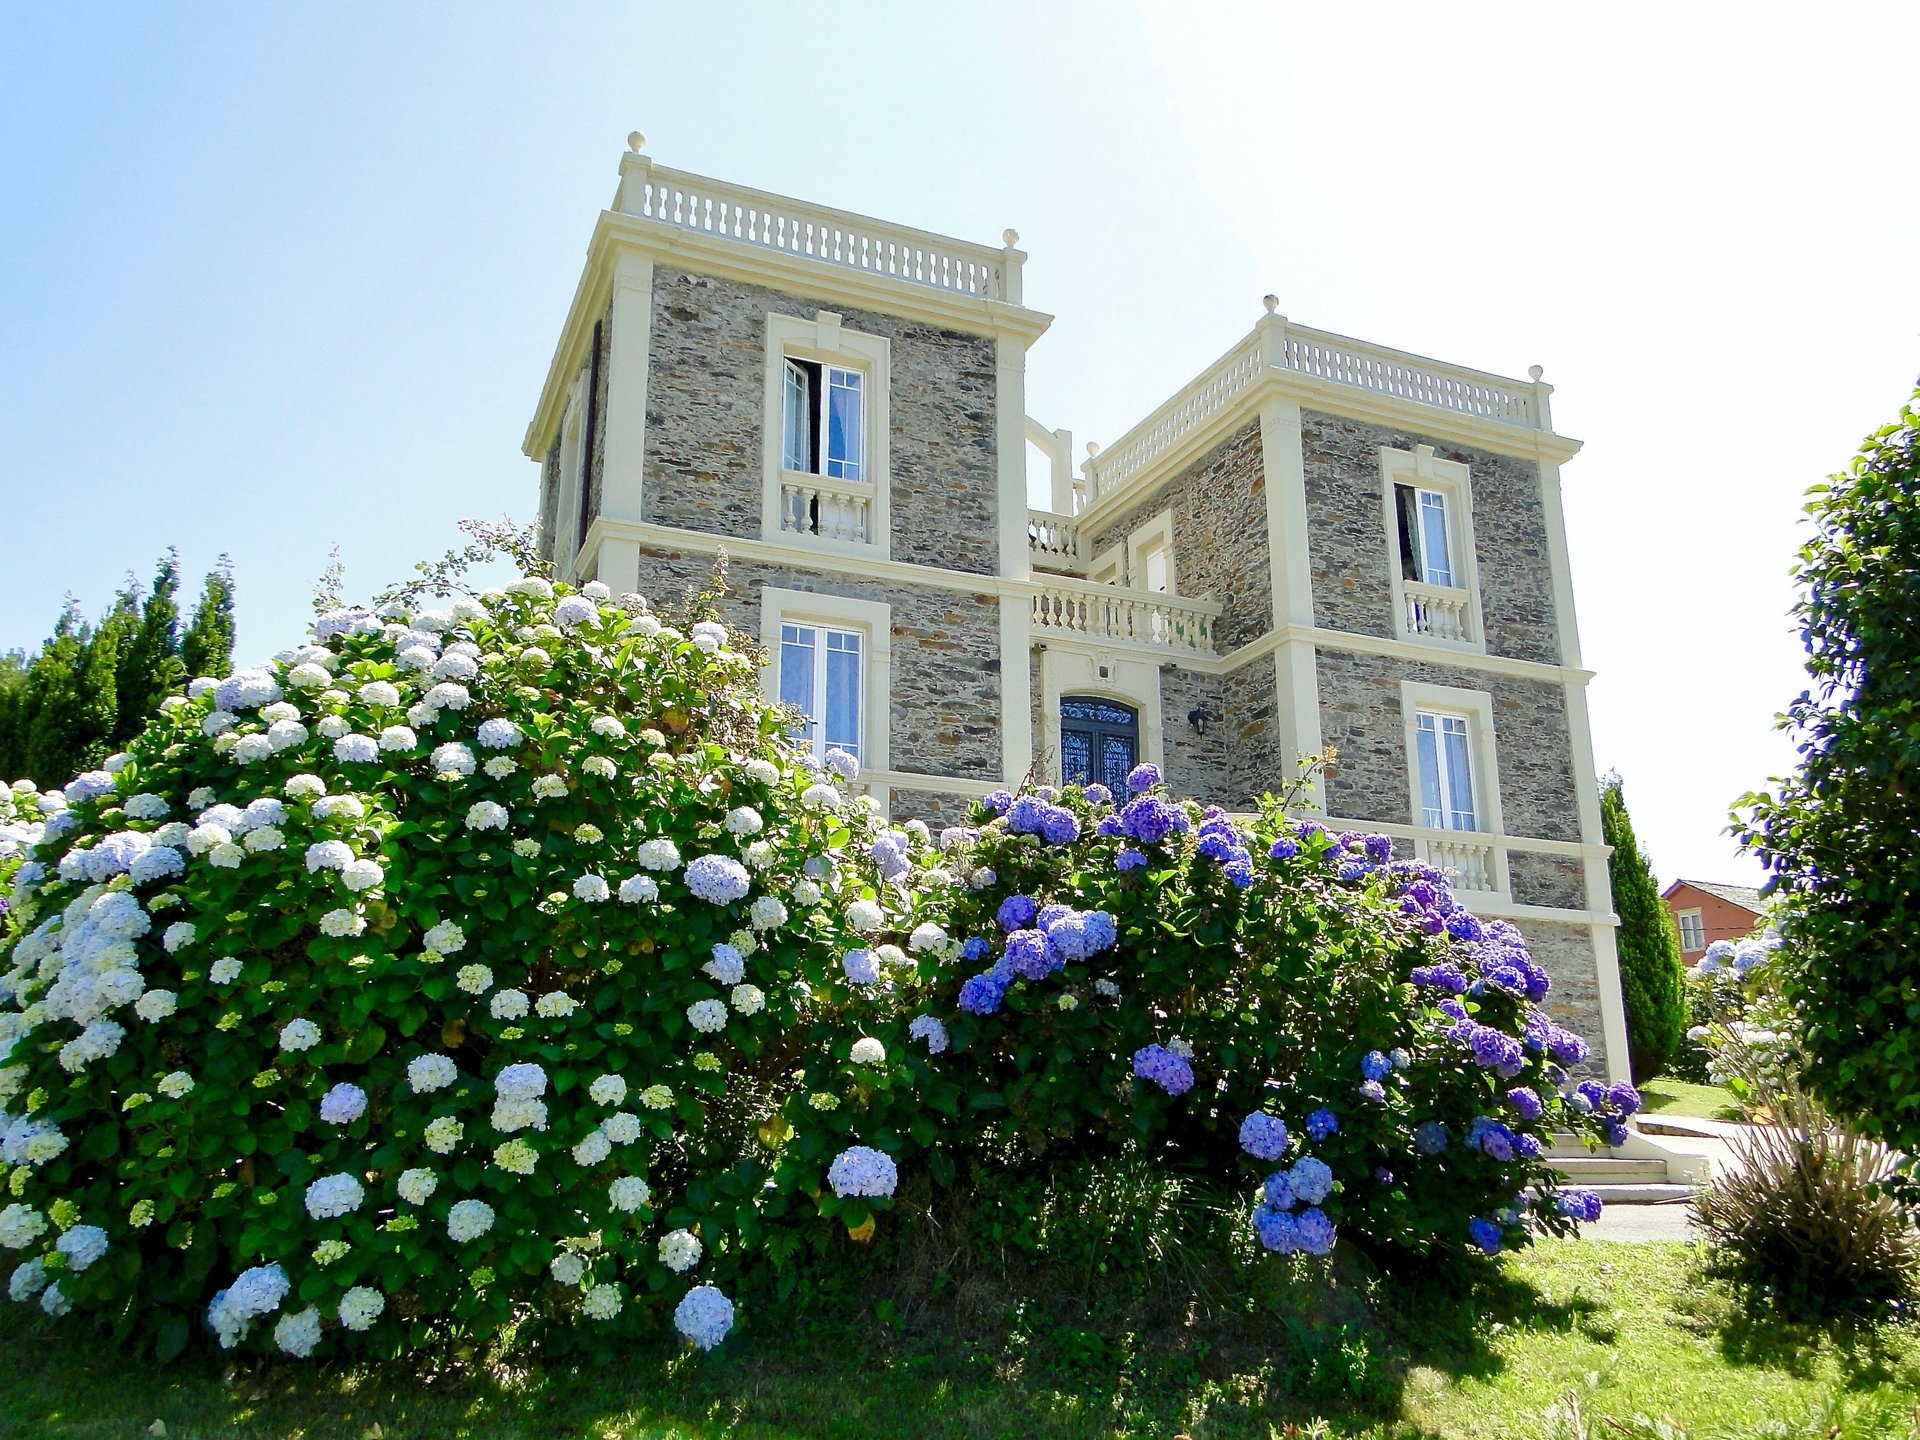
504 966
1746 1034
1839 835
1323 1019
403 982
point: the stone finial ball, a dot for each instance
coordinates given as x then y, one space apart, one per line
1534 372
636 142
1093 448
1272 302
1009 237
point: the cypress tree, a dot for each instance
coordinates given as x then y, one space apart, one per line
207 647
150 668
1650 973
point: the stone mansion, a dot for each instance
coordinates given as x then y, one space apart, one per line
1316 542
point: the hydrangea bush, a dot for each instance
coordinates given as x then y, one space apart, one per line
443 973
505 965
1249 996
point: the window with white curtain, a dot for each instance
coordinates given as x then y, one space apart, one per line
1426 549
1693 930
823 421
1445 759
820 676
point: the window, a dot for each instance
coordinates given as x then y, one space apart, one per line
825 448
1445 746
1099 741
820 676
1693 930
823 424
1425 554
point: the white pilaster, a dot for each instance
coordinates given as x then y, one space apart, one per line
1016 687
1010 445
625 421
1295 662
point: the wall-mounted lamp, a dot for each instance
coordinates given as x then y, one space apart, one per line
1198 718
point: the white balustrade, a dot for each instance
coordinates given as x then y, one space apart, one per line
1136 617
839 237
1470 860
1439 612
1278 346
1053 541
829 509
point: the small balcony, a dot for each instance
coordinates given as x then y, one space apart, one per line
1439 612
826 509
1111 615
1053 543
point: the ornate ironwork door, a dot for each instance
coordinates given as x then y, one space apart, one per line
1099 741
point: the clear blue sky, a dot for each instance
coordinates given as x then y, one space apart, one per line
273 278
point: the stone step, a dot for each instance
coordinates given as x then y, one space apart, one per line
1613 1169
1612 1194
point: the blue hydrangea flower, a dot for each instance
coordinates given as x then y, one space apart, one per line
1143 778
1371 1090
1444 976
1283 849
1109 826
1025 815
1580 1204
1493 1049
1164 1068
998 801
1567 1047
1310 1179
1526 1102
1016 912
1321 1123
1097 794
1100 930
1430 1137
1051 915
1276 1229
1128 859
1464 926
1263 1136
1149 820
1379 848
1215 846
1485 1234
976 949
1032 955
1623 1097
1375 1065
982 994
1351 870
1239 873
1314 1231
1278 1190
1527 1146
1059 826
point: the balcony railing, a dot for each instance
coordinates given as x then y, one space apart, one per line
1110 614
827 509
837 237
1472 861
1440 612
1275 345
1053 542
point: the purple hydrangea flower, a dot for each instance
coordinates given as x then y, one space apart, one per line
1097 794
1351 870
1493 1049
1566 1047
1624 1097
1444 976
1430 1137
1110 826
1032 955
1024 816
1128 859
1464 926
1149 820
982 994
998 801
1379 848
1580 1204
1263 1136
1143 778
1321 1123
1164 1068
1526 1103
1059 826
1371 1090
1016 912
1239 873
1283 849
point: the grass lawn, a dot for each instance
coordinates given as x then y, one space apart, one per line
1630 1329
1699 1102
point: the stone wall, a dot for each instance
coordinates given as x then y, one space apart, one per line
1256 759
1195 765
1566 953
549 499
1347 535
936 807
706 417
1219 507
946 701
1556 880
598 366
1360 715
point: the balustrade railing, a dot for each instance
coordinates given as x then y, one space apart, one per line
1137 617
1439 612
1053 542
839 237
1279 346
829 509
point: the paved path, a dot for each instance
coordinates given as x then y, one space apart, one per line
1643 1222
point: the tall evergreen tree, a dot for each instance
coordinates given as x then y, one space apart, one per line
207 647
150 667
1650 973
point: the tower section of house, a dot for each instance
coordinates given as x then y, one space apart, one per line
838 403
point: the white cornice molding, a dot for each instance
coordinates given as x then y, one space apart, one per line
802 275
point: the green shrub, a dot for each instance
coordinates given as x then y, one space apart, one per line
1650 969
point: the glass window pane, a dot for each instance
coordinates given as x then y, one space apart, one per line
1432 811
1076 757
1437 563
844 424
796 671
795 420
1459 776
843 693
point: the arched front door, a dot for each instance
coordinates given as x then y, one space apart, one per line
1099 741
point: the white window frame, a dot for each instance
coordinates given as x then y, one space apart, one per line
1110 565
1476 708
872 620
1155 537
1699 919
823 341
572 476
1453 482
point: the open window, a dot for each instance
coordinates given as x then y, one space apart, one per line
1426 550
1428 509
826 450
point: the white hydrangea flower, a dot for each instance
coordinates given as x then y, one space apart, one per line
267 837
602 1302
761 772
175 1085
452 758
297 1333
658 854
608 1090
443 1135
749 999
868 1051
474 979
549 787
591 1150
591 888
427 1073
628 1193
343 923
638 889
555 1005
339 807
332 1196
767 913
487 815
362 875
446 938
179 935
381 694
469 1220
225 970
567 1268
361 1306
866 916
301 1034
156 1005
510 1005
745 820
759 855
707 1016
398 737
927 938
680 1250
